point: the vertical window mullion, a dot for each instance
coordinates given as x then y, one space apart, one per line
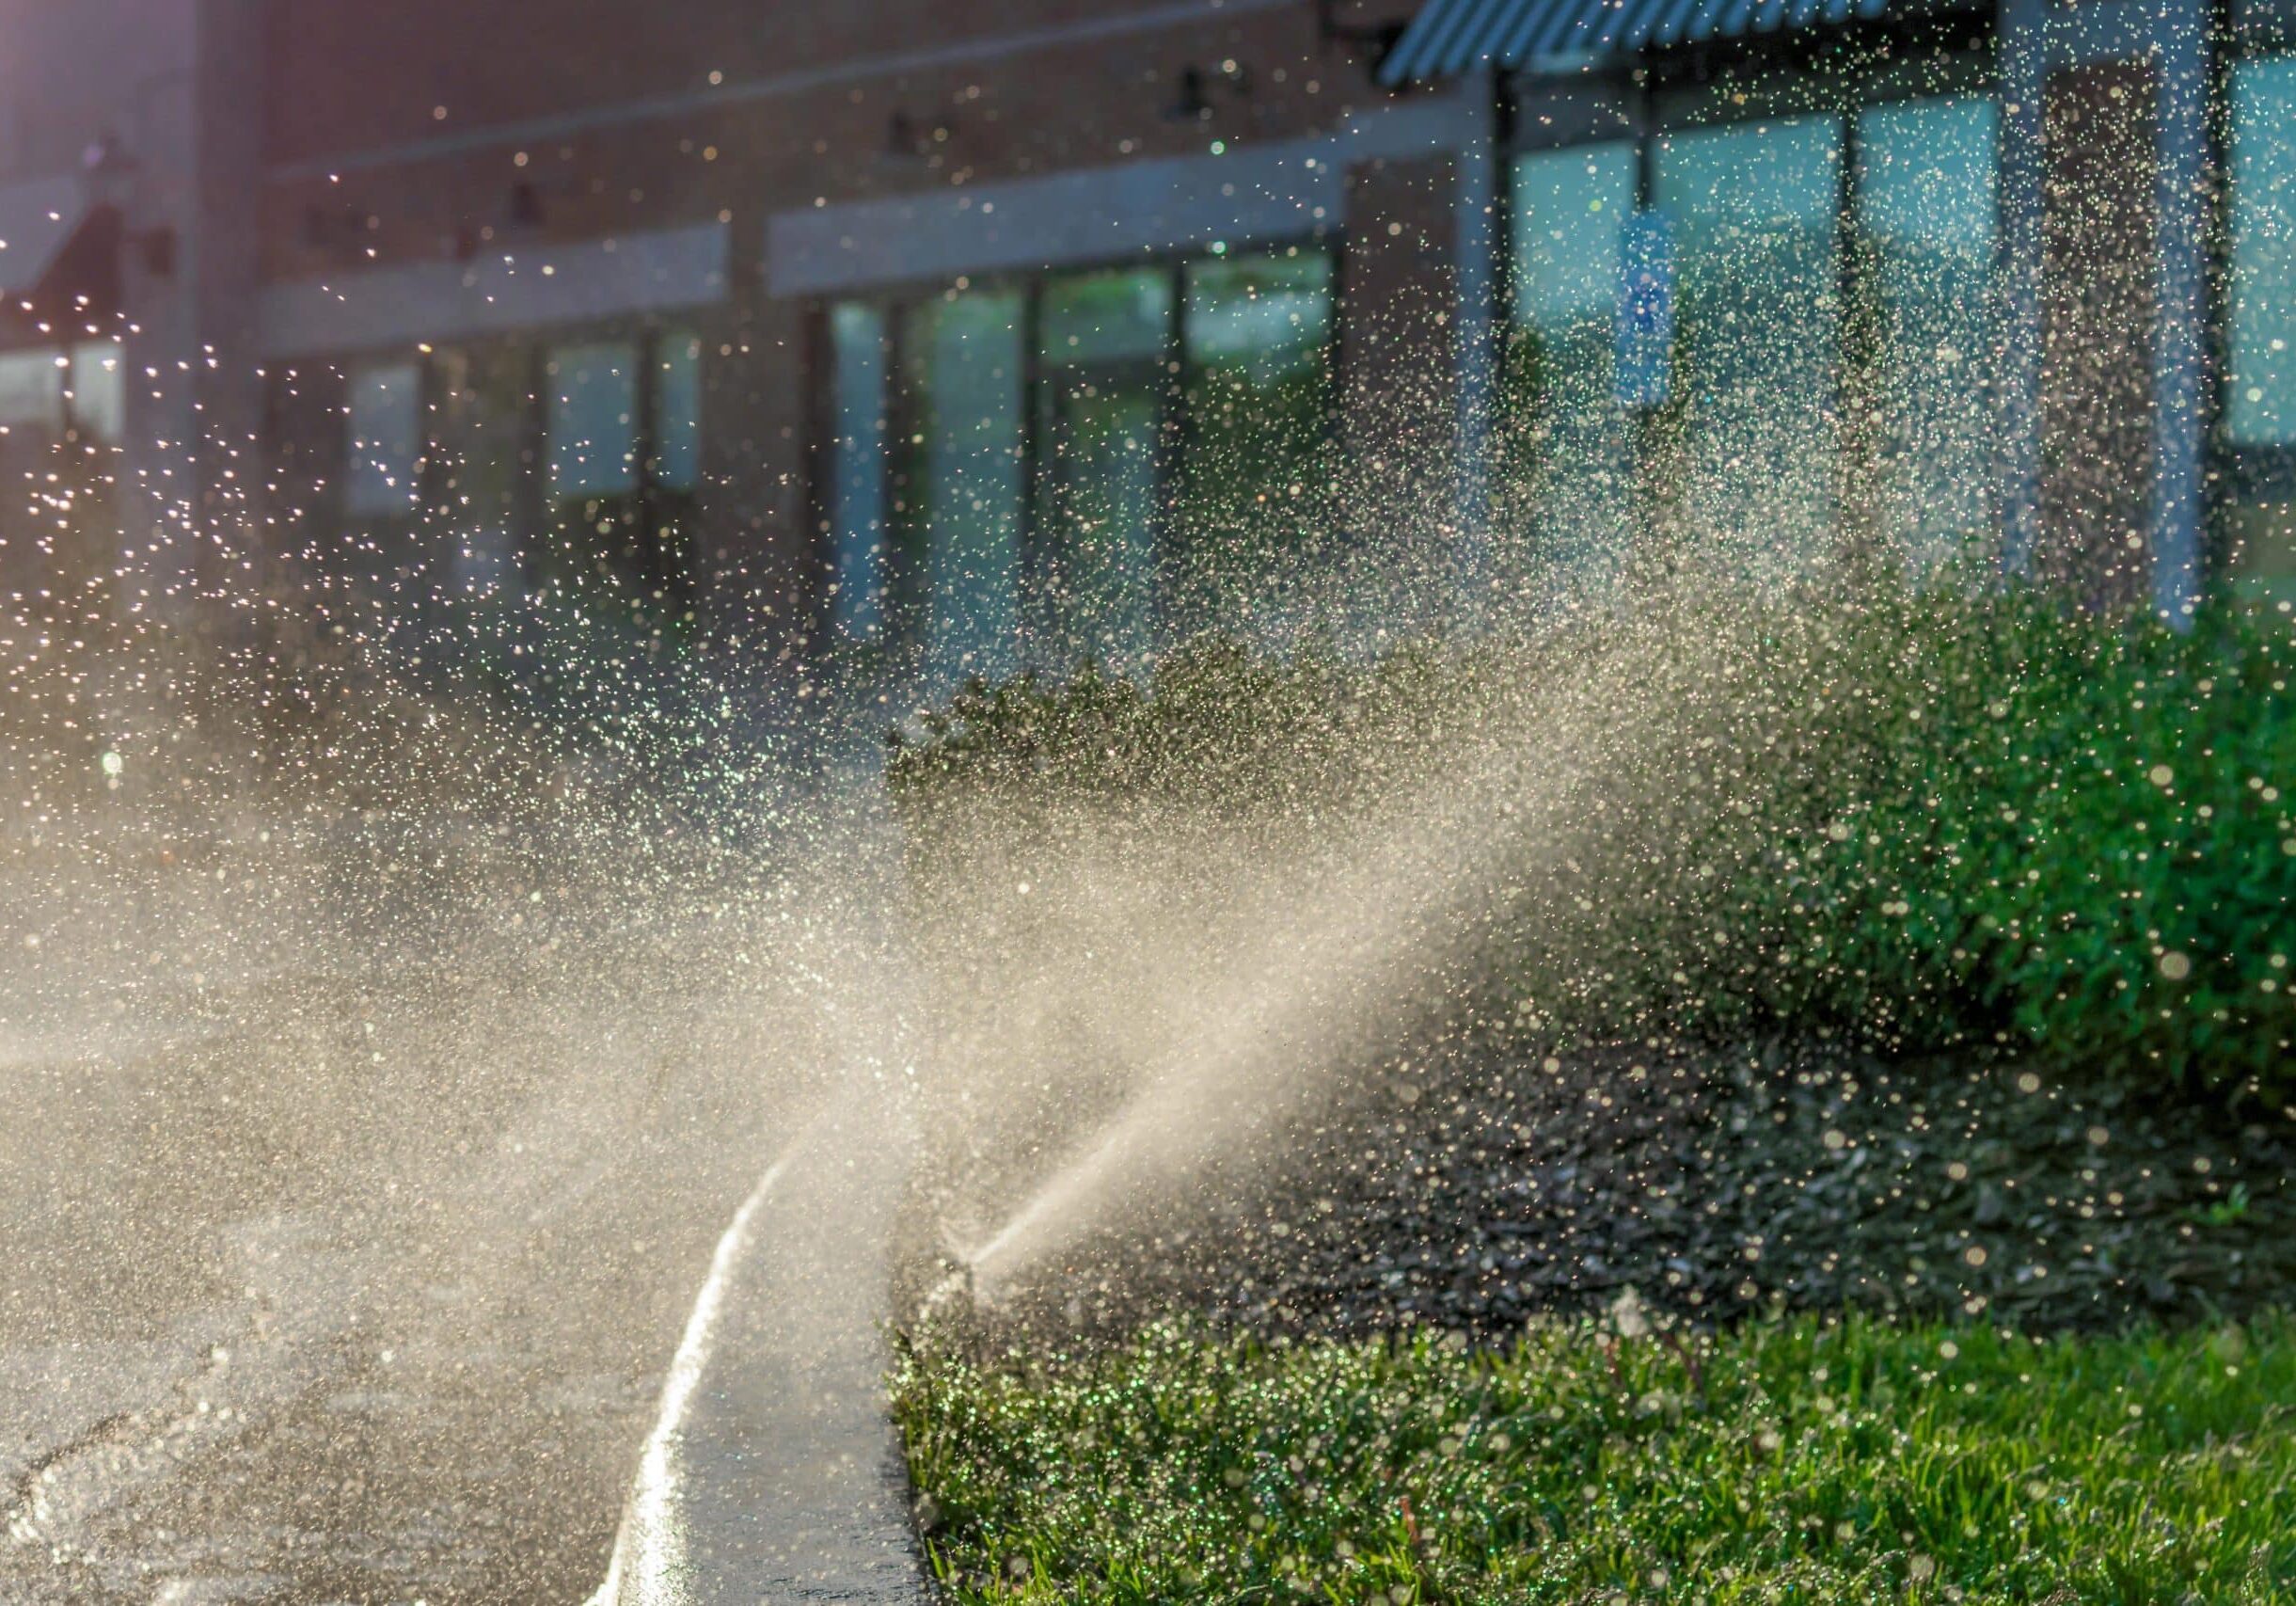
1032 564
1174 467
646 447
904 564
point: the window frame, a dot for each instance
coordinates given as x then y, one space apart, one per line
1838 73
901 637
538 506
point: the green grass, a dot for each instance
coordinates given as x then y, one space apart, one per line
1805 1461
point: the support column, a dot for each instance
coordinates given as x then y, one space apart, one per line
1399 397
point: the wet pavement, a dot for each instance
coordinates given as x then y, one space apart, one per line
329 1277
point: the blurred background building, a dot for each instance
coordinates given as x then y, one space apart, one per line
895 341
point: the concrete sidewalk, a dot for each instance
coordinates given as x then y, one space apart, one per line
772 1474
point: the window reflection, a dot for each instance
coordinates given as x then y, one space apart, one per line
677 412
98 396
963 373
1755 208
1565 473
856 473
591 419
1928 216
1105 343
1254 491
2259 397
386 438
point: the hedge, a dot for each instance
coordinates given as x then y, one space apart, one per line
1921 820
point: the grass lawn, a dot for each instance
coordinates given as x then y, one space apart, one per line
1802 1460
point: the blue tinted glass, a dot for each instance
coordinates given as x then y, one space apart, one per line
1568 209
1926 175
677 412
1264 316
857 469
591 419
1926 207
2260 403
968 398
1755 207
1106 317
386 438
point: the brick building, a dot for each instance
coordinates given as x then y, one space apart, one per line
909 341
792 321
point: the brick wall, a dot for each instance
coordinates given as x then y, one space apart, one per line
2100 234
1399 280
574 119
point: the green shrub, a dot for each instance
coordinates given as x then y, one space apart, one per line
1924 820
2070 835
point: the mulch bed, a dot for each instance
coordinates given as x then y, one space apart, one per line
1476 1188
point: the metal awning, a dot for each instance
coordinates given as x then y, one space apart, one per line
1452 37
40 219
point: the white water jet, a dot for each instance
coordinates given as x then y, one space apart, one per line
1339 948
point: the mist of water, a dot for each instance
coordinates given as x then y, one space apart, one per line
1226 1020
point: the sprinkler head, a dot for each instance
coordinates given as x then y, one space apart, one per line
954 1294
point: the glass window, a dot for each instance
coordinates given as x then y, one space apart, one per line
2257 507
1260 319
99 390
386 438
1927 218
1122 316
1755 450
677 412
855 471
592 419
963 356
2260 406
482 430
1104 345
1566 465
1257 334
31 388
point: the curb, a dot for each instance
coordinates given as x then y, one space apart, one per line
772 1473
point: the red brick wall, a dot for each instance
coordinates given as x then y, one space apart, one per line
1399 280
355 76
361 172
2099 254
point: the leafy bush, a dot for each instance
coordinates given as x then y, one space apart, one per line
2070 835
1920 821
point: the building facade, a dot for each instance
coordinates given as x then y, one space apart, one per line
888 343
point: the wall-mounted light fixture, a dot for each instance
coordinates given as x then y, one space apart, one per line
909 140
1192 100
1372 41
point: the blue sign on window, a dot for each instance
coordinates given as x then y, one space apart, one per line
1646 311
